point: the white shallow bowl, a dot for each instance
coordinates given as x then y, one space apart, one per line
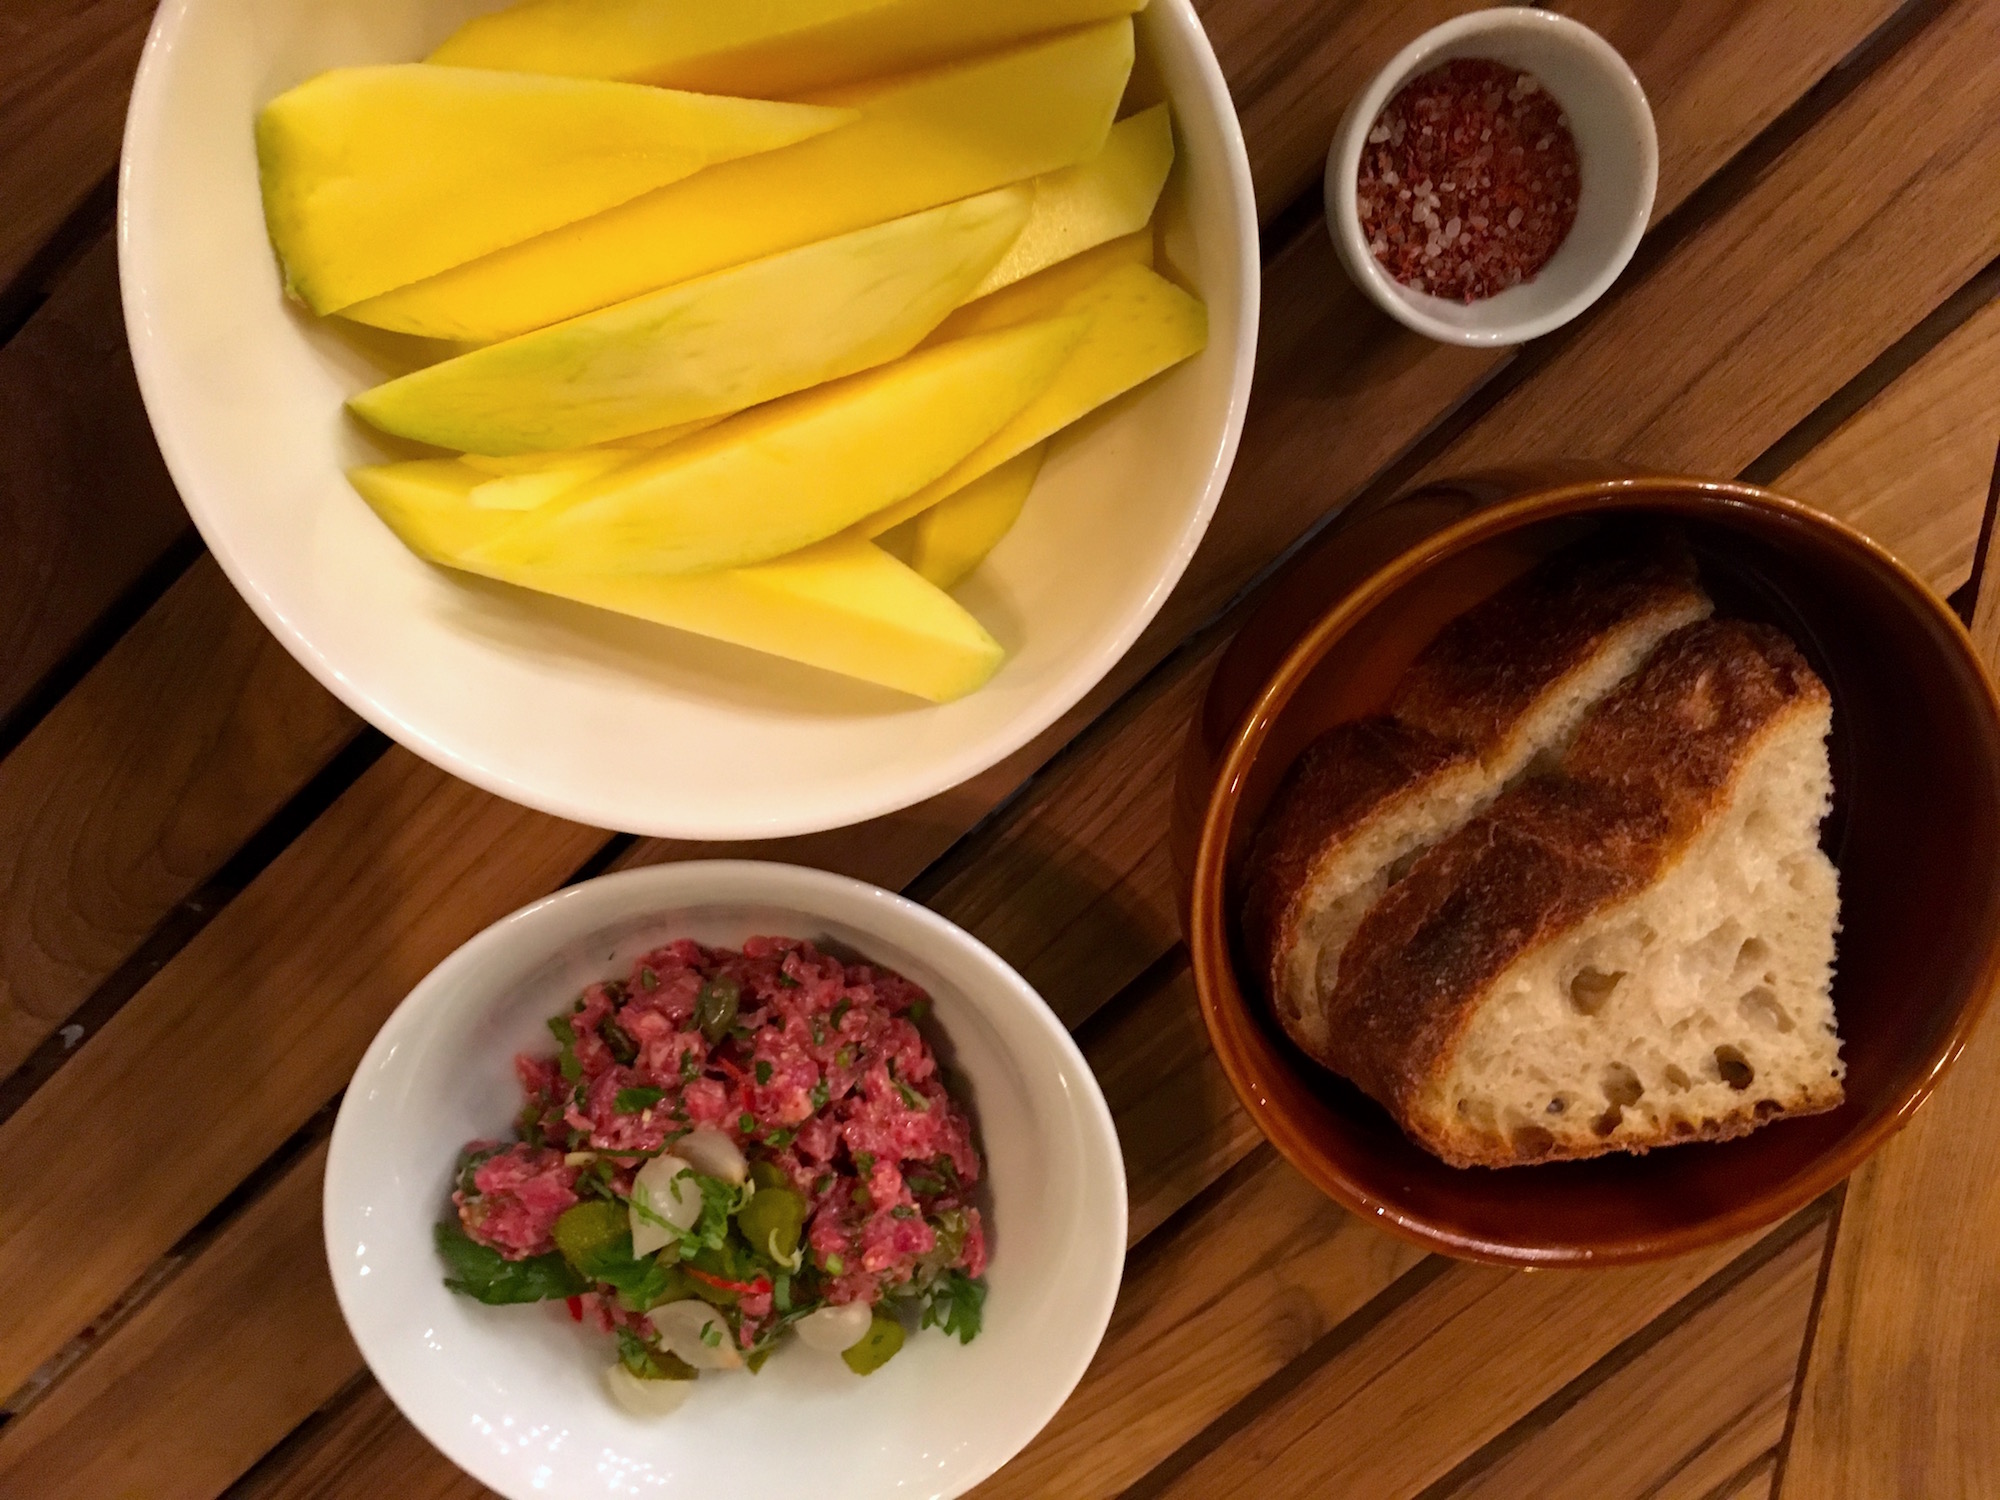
574 711
1618 149
514 1395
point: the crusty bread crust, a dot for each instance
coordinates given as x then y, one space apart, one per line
1346 778
1647 770
1478 683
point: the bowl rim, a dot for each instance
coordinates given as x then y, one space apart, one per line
690 884
1223 1001
460 754
1343 165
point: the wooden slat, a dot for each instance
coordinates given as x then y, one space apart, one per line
194 729
247 1032
363 1448
1914 464
85 503
65 69
1441 1375
1688 1415
126 1412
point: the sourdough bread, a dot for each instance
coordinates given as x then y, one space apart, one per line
1505 683
1634 951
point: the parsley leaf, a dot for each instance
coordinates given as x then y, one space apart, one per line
956 1305
637 1101
484 1274
763 1071
648 1363
572 1070
623 1049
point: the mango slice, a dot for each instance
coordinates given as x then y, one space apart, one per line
844 605
1140 325
377 177
953 537
1047 293
718 344
773 49
796 471
920 142
1110 196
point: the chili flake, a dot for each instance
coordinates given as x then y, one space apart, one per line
1469 180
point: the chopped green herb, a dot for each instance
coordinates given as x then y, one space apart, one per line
911 1098
864 1162
754 1361
648 980
835 1265
818 1032
819 1096
923 1184
902 1211
844 1058
919 1008
469 1162
860 1197
746 1123
822 1183
781 1292
840 1009
711 1335
566 1062
690 1066
786 982
956 1305
763 1071
777 1140
485 1275
636 1101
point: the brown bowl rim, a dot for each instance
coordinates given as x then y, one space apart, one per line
1208 932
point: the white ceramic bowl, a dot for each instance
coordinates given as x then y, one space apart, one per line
514 1394
1617 145
583 714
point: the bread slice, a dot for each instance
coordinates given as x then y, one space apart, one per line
1503 684
1633 952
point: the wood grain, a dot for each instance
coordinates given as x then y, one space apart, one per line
65 70
190 733
1442 1374
1687 1415
247 1032
121 1424
1915 463
85 503
1179 1123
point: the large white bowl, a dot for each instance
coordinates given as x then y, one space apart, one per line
577 712
513 1394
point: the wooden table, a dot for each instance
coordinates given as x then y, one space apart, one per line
215 883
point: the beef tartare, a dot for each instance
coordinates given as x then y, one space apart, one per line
725 1146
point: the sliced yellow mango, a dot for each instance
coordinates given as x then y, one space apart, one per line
1140 325
1111 195
377 177
772 49
920 141
795 471
844 605
1047 293
718 344
952 538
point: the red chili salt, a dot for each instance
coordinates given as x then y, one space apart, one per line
1469 180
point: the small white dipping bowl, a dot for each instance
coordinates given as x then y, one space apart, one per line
515 1396
1616 143
578 712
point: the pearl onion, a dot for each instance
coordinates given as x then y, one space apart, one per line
714 1154
681 1326
676 1201
645 1398
835 1330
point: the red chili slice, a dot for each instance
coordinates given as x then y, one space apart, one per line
575 1305
743 1288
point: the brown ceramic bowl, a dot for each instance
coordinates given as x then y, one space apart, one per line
1915 832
